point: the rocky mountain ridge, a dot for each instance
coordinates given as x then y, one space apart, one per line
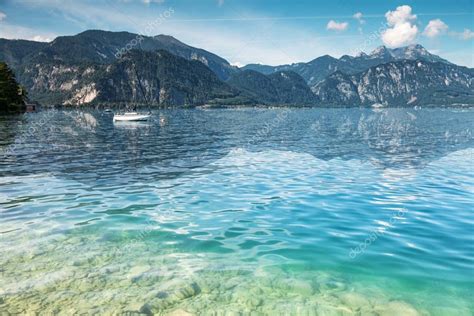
102 67
401 83
319 68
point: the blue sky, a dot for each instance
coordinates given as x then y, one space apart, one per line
259 31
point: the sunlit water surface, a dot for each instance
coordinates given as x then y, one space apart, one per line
294 212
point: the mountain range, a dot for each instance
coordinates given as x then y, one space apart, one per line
319 68
96 67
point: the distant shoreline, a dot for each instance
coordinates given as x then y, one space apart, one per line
118 108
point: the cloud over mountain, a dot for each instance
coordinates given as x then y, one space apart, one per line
435 28
401 30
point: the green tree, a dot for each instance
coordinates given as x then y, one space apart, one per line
12 96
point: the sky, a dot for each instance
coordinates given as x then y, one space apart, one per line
272 32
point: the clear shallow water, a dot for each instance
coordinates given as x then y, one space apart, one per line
305 212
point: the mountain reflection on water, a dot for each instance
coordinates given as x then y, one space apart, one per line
176 141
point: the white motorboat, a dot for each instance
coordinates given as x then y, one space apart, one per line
131 116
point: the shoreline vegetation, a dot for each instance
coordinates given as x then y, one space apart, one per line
12 95
144 107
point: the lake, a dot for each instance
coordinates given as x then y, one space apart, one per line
228 211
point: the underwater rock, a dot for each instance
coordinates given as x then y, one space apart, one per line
139 269
302 310
301 287
280 284
243 297
232 312
159 306
35 253
256 290
126 313
77 263
110 269
188 291
327 310
395 308
163 300
354 301
180 312
209 285
136 272
331 285
232 283
15 310
224 297
367 312
146 309
132 309
255 302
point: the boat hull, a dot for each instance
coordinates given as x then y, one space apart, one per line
130 118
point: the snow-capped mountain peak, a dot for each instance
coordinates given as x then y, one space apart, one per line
380 51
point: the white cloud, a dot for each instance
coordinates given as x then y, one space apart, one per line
147 2
19 32
41 38
400 35
358 16
401 15
153 1
336 26
268 43
467 34
402 30
237 64
435 28
2 16
273 44
220 3
85 15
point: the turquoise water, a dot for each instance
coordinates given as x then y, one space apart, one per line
228 212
